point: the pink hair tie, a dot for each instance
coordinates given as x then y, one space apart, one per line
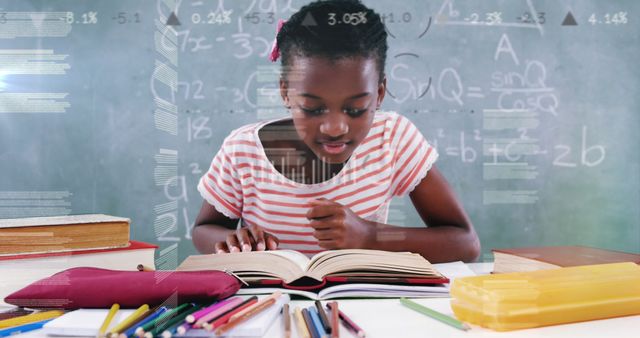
275 51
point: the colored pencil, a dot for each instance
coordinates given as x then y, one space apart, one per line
317 323
30 318
323 317
14 312
23 328
309 324
231 304
176 318
130 319
434 314
198 314
254 311
107 320
351 325
132 326
182 329
286 321
335 320
303 332
172 326
222 319
152 315
273 296
163 318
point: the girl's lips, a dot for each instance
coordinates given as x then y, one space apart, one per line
334 148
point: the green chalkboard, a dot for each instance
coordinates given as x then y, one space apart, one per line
119 106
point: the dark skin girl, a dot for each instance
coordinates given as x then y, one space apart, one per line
333 107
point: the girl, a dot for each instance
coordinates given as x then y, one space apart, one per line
323 178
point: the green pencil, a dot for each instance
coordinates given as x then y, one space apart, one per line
162 319
434 314
177 319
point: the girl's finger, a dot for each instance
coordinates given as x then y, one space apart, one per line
221 247
271 241
232 243
243 236
324 235
258 236
321 211
328 244
322 224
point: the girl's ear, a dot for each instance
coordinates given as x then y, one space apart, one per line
382 89
284 92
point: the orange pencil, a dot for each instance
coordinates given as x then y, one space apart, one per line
239 314
228 316
254 311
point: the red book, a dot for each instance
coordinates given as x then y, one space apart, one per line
550 257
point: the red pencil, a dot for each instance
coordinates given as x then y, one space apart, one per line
349 324
225 318
335 325
233 322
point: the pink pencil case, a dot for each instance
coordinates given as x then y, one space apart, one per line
87 287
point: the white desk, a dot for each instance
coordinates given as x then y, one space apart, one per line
385 318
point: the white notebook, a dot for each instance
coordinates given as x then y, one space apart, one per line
451 270
254 327
82 322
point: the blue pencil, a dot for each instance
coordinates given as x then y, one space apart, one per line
151 317
309 322
23 328
317 323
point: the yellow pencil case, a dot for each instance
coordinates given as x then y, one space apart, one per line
547 297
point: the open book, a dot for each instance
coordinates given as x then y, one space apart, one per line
291 269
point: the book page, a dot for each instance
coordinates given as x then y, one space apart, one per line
268 291
356 262
61 220
250 266
296 257
382 291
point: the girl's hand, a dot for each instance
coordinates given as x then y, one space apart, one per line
337 227
250 238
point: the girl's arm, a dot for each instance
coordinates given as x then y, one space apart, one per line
449 235
214 232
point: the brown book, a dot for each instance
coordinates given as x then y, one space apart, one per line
62 233
550 257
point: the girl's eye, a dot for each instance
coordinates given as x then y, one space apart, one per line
355 112
312 111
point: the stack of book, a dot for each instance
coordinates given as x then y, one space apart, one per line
37 247
330 274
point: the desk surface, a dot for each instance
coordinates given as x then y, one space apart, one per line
388 318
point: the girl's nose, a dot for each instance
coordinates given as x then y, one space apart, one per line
334 125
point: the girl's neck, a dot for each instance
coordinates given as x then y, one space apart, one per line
291 157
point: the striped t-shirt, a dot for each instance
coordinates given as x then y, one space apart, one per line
242 183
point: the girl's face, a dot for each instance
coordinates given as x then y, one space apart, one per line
332 102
